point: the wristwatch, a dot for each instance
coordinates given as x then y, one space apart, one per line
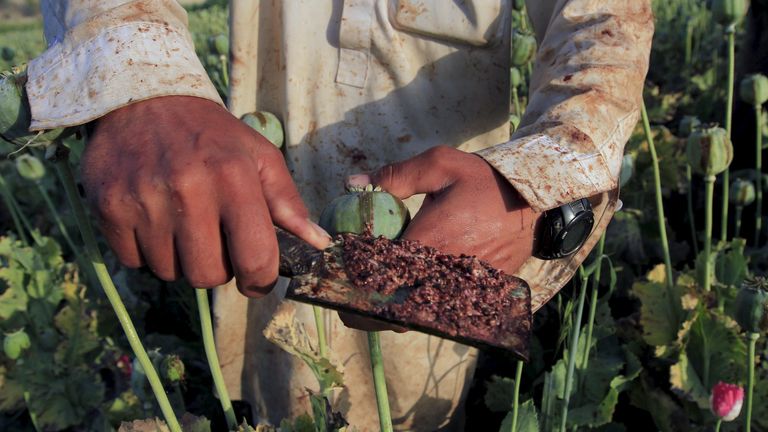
564 230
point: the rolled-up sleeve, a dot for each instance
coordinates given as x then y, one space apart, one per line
105 54
584 100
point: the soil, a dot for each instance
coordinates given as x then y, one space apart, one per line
461 295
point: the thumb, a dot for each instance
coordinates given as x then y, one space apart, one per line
427 172
286 206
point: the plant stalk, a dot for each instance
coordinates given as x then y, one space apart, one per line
737 216
179 397
709 188
689 198
659 203
516 102
57 219
574 347
320 325
593 300
706 354
9 203
379 381
32 415
516 399
731 32
97 262
213 359
15 209
752 341
759 180
717 425
688 44
224 70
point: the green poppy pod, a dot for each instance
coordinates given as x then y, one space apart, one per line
7 53
30 167
47 339
687 125
709 150
754 89
742 192
212 60
219 44
523 48
752 305
15 343
15 114
728 12
267 124
172 368
514 122
363 209
515 77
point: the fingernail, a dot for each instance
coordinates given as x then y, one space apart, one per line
320 231
359 180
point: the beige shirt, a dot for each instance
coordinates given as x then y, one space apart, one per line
361 83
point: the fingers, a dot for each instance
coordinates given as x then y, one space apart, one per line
199 243
286 207
428 172
116 223
156 243
154 230
252 244
157 248
199 200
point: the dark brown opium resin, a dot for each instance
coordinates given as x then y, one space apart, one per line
462 296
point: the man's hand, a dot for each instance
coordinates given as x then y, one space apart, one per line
181 185
469 209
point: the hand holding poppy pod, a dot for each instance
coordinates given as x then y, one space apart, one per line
469 208
488 218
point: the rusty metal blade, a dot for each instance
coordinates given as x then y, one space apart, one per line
325 283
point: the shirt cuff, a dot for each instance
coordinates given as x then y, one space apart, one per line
547 174
72 85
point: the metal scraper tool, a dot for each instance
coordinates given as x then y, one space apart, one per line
319 278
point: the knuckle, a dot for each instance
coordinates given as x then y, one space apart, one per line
386 175
438 156
234 172
107 202
183 180
258 270
268 154
185 185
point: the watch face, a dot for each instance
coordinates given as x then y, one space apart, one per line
564 230
577 233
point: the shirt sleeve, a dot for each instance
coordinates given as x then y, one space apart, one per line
105 54
584 100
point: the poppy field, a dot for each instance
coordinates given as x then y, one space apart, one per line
664 327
